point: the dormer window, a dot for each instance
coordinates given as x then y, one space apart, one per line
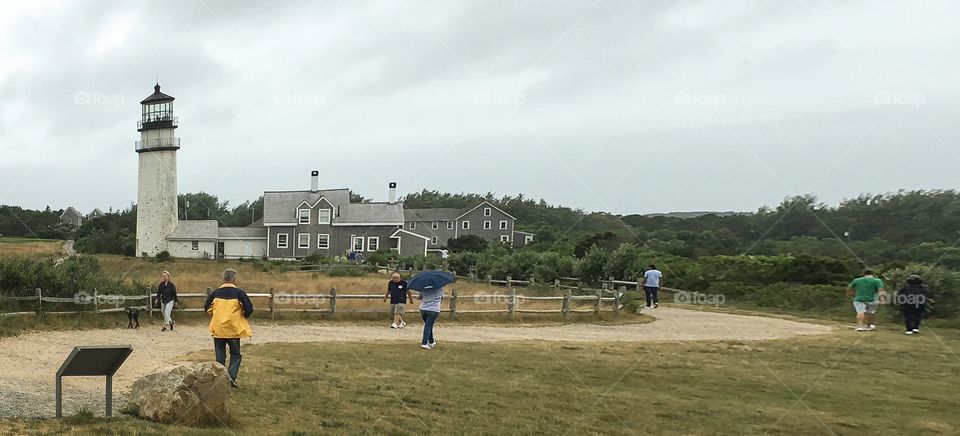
303 216
323 216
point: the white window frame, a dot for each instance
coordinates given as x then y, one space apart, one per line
527 239
413 225
195 245
435 225
320 219
504 238
375 242
300 241
451 225
504 224
320 237
434 240
303 219
465 225
487 225
286 240
353 243
487 211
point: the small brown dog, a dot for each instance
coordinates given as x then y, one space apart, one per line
133 315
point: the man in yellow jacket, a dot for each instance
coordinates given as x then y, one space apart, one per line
229 307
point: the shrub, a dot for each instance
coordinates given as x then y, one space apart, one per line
164 256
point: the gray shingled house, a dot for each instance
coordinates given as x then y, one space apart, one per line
484 220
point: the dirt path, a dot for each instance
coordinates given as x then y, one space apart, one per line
28 362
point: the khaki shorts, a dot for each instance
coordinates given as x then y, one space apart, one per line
865 307
398 309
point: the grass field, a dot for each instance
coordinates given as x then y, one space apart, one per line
30 247
844 383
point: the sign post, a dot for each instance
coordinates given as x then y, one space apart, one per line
92 361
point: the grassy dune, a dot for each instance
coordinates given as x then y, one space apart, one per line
845 384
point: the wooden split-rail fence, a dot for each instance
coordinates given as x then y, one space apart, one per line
279 302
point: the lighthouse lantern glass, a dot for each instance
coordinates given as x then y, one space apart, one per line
157 111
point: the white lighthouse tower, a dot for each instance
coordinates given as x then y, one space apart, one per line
157 181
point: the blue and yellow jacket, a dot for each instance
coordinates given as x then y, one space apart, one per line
229 308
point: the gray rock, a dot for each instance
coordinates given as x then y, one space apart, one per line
192 394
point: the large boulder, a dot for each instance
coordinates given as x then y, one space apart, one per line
192 394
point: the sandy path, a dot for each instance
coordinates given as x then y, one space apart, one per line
28 362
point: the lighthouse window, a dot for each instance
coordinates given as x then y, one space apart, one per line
194 245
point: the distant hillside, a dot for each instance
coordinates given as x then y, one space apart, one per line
687 215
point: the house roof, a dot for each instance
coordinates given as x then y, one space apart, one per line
195 229
371 213
519 232
434 214
242 232
96 212
397 233
157 96
280 207
71 210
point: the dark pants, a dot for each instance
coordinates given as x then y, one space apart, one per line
220 348
429 319
912 314
651 293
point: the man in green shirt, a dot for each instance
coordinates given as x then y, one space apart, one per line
864 291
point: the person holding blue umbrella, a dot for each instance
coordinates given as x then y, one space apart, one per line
430 285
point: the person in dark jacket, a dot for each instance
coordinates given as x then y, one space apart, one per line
913 299
166 299
229 307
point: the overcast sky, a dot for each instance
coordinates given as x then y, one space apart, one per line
628 107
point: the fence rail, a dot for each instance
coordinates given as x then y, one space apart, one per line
281 301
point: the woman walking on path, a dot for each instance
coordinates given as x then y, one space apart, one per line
166 299
913 299
429 311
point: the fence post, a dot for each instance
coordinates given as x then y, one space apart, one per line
149 305
453 304
513 302
556 285
39 301
640 286
333 301
273 311
616 298
565 308
489 280
596 306
96 302
509 279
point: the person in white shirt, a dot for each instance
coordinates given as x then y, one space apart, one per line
652 282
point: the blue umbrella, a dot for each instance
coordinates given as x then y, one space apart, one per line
430 279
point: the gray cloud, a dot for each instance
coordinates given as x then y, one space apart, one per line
621 106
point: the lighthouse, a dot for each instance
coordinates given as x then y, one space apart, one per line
157 179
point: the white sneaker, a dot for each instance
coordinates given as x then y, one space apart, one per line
873 327
425 347
433 345
393 326
402 323
917 331
908 332
863 329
